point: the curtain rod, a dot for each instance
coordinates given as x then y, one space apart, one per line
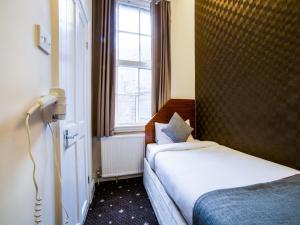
158 1
143 1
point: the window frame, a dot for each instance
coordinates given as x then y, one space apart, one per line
139 65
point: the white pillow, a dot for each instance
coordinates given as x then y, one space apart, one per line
161 138
190 138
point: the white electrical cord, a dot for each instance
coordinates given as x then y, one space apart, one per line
38 199
66 222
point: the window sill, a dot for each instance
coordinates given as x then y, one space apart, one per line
129 129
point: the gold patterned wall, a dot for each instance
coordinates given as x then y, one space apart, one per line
248 76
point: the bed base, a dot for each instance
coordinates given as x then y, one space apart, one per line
165 209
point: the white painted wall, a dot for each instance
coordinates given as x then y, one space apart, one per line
183 49
25 74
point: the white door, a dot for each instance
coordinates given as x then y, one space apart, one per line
74 140
81 116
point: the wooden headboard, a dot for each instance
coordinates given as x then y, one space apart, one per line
184 107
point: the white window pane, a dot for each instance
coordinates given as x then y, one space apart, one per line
133 84
129 47
126 110
145 22
145 49
128 18
145 81
144 111
127 80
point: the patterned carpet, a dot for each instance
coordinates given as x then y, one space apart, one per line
122 203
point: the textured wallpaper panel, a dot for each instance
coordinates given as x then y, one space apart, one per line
248 76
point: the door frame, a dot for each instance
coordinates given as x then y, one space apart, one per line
81 14
88 58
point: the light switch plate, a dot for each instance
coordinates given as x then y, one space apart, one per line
44 39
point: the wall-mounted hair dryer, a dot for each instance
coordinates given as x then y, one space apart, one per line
52 105
53 108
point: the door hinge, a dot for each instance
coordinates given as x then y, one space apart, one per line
88 179
86 45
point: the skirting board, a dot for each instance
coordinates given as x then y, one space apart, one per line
103 179
92 190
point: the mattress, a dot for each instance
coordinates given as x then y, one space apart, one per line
189 170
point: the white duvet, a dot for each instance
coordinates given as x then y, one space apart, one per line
189 170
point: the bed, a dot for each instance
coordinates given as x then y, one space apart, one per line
177 175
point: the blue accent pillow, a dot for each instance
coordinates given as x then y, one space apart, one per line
177 129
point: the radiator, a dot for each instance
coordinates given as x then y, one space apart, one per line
122 155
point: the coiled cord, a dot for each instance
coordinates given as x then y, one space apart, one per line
38 200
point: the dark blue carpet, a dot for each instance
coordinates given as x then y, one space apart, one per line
125 202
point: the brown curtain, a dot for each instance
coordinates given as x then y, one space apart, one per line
161 53
103 77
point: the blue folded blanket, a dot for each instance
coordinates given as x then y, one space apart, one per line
273 203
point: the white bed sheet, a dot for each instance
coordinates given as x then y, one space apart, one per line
188 171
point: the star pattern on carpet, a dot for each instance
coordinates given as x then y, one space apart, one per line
122 203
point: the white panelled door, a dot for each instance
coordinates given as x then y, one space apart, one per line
73 35
82 156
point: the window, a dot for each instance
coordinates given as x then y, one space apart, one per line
133 76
